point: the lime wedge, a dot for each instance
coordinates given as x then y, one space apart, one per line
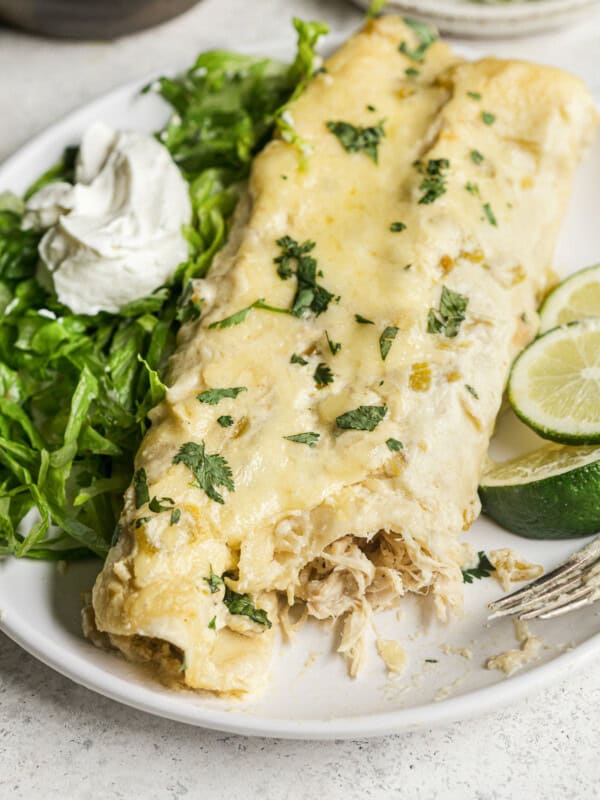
551 493
576 298
554 385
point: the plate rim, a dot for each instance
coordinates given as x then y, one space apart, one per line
138 696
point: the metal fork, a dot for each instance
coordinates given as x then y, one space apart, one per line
574 584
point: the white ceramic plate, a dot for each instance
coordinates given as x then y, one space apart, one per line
311 695
472 18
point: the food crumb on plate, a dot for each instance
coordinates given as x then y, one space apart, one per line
451 650
509 567
393 655
512 660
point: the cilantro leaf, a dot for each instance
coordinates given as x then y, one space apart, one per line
356 139
488 117
397 227
489 214
472 188
296 359
213 624
175 516
363 320
142 521
433 184
241 605
386 340
240 316
474 95
310 295
213 580
214 396
160 504
209 471
472 391
310 438
426 36
363 418
483 569
140 487
334 347
476 157
225 421
451 312
394 445
323 375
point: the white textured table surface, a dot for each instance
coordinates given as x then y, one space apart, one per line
60 740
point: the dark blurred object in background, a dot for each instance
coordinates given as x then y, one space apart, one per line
89 19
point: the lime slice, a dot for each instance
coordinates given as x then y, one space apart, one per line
554 385
551 493
576 298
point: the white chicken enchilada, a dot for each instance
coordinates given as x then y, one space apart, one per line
328 415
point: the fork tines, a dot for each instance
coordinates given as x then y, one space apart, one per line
574 584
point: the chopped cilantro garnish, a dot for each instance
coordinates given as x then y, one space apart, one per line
363 320
483 569
386 339
241 605
411 72
451 312
334 347
140 487
433 184
488 117
356 139
310 438
213 580
209 471
397 227
225 421
431 661
142 521
175 516
476 157
213 624
363 418
296 359
310 295
489 214
370 107
160 504
323 375
426 36
473 188
214 396
474 95
472 391
394 445
240 316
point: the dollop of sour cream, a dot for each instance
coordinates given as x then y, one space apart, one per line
116 234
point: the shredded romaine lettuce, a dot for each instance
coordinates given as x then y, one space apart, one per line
75 390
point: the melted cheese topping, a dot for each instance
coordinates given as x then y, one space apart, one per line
293 503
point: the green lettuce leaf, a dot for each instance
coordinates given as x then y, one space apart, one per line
75 391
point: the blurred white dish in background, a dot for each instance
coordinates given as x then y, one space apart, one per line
488 18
